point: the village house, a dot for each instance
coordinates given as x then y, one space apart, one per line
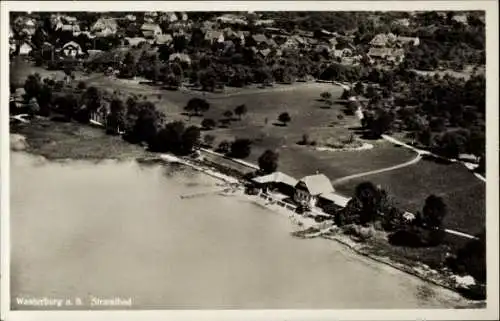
404 22
383 40
309 189
164 39
231 19
264 22
72 49
150 17
214 36
181 57
233 35
105 27
25 49
71 20
130 17
460 18
93 53
168 17
413 41
150 30
276 182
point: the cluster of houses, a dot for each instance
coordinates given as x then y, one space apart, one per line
389 48
314 192
160 28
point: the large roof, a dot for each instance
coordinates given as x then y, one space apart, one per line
336 198
318 184
276 177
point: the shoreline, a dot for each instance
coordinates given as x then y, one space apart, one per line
304 223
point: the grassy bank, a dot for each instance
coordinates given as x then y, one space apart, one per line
60 140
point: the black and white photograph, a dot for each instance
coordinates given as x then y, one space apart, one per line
216 158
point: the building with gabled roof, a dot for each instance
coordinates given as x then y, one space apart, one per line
309 188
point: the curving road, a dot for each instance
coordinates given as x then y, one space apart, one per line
386 169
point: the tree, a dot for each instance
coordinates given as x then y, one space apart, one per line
33 107
369 197
208 123
92 101
359 88
240 148
208 140
284 118
434 212
190 139
197 105
326 95
44 99
147 123
268 161
240 110
32 86
116 120
228 114
224 147
450 144
67 105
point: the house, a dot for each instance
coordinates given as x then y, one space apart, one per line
214 36
231 19
69 20
341 53
309 188
93 53
164 39
460 18
105 26
383 40
25 49
231 34
413 41
169 17
71 49
330 202
130 17
134 41
276 181
183 58
261 41
379 53
264 22
150 30
404 22
150 17
184 16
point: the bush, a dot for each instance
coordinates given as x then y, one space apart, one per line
223 147
268 162
240 148
208 123
82 85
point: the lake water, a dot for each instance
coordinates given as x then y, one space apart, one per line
120 229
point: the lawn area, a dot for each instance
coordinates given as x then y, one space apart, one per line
309 116
463 193
60 140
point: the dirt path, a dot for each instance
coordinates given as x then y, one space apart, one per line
408 163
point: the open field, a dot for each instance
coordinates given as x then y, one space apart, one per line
463 193
58 140
309 116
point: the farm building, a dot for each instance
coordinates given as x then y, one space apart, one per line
309 189
71 49
276 181
25 49
150 30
